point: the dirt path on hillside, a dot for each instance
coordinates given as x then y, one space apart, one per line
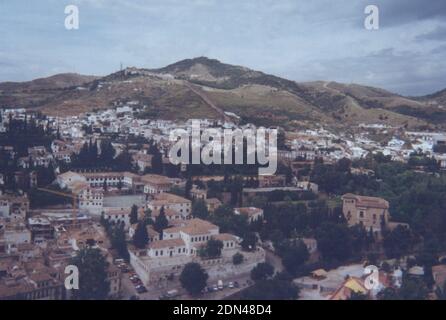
207 100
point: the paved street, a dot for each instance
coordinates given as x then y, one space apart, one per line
128 289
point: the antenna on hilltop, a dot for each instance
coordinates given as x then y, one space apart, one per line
121 67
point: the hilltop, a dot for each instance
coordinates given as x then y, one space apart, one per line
203 87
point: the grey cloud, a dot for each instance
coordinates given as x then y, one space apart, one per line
397 12
406 72
438 34
439 50
297 39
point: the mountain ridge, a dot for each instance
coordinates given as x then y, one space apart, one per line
218 88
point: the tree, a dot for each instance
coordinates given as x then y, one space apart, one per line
249 241
413 289
271 290
123 162
188 188
224 211
93 282
193 278
357 296
294 255
148 217
161 221
429 253
134 214
237 258
212 249
389 294
141 237
119 242
334 242
157 159
343 165
199 209
262 271
107 153
398 242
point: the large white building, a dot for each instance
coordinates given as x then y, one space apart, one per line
162 259
118 216
91 200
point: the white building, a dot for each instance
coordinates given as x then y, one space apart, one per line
118 216
180 245
170 201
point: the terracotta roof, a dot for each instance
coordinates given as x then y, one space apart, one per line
225 237
117 211
168 243
368 202
193 227
155 179
167 212
163 198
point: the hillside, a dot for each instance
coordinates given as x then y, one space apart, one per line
39 91
203 87
58 81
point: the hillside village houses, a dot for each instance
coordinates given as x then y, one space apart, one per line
36 244
13 207
306 144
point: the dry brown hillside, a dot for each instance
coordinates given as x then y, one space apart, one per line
203 87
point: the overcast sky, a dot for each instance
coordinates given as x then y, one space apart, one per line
298 39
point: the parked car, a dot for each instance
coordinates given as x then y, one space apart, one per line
135 280
141 289
231 285
172 293
236 284
220 285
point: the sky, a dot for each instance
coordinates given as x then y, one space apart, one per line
300 40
